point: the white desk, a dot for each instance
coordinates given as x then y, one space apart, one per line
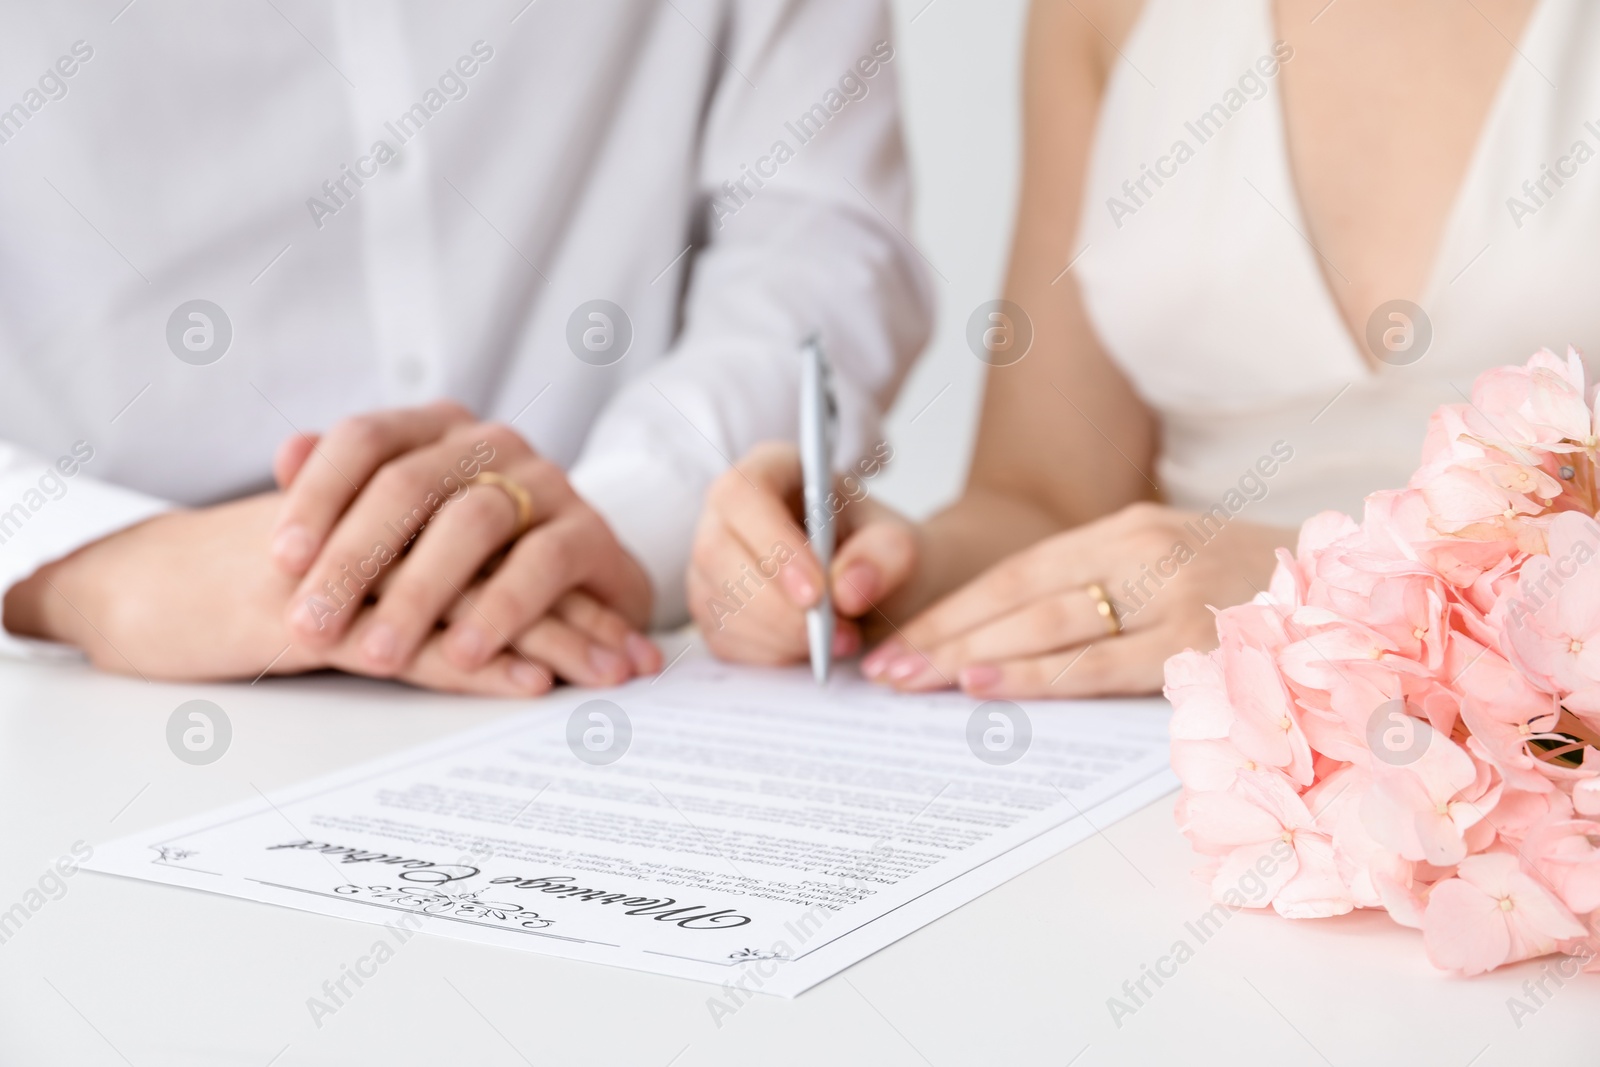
118 971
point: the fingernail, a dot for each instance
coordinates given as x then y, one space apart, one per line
877 660
525 675
381 644
644 655
292 547
607 664
304 619
862 579
846 642
979 676
905 666
471 646
801 588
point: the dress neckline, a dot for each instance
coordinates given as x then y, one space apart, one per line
1466 186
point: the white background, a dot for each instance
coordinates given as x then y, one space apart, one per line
959 63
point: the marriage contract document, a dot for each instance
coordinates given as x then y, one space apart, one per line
716 823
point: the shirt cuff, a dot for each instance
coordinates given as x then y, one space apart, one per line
46 515
652 508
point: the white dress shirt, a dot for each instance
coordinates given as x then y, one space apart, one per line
391 203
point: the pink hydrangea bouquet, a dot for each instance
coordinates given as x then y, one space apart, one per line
1409 718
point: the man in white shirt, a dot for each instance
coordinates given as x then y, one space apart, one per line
559 254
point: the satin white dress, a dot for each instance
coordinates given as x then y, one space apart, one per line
1205 292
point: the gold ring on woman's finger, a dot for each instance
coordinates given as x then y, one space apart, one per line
1106 609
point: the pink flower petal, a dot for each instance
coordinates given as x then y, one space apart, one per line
1316 891
1207 766
1464 929
1227 820
1252 875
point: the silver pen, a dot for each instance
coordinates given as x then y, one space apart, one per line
819 420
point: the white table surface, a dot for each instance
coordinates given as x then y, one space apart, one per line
118 971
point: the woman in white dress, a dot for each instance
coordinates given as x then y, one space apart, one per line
1258 241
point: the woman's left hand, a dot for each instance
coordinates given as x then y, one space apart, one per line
1032 625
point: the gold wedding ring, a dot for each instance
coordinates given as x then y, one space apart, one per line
1103 605
519 497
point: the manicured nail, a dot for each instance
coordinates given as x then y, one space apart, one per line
304 619
905 666
607 664
292 547
801 589
381 644
979 677
646 658
470 644
878 659
525 675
